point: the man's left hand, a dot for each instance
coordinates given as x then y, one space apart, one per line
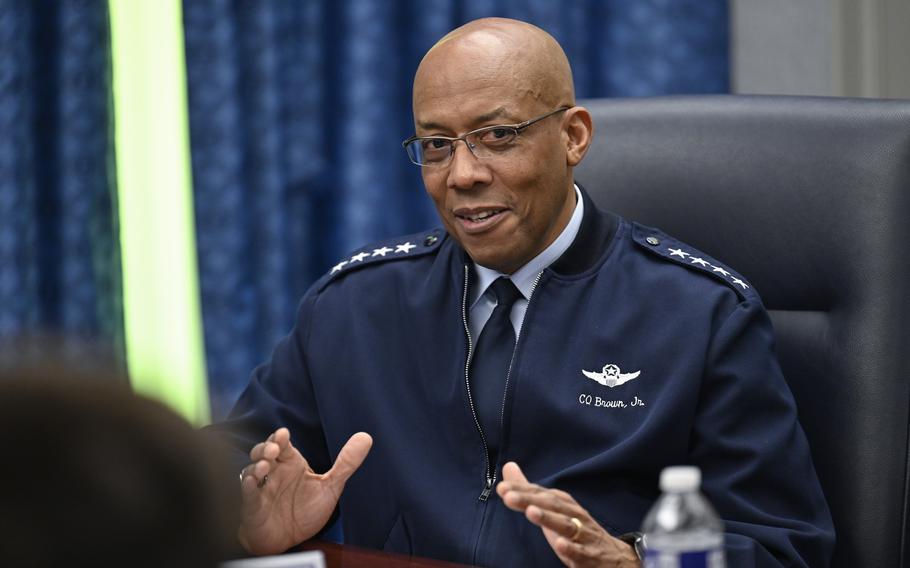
576 538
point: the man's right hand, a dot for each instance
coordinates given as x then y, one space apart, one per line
284 501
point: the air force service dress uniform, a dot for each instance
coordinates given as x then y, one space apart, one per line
636 352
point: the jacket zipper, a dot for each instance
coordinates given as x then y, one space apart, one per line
488 482
490 476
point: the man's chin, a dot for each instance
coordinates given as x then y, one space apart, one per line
496 258
494 249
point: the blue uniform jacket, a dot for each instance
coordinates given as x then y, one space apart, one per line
636 352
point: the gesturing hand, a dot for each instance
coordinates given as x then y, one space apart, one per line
576 538
284 501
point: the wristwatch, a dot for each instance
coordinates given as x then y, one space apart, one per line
637 541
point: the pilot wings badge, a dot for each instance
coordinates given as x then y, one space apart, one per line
610 376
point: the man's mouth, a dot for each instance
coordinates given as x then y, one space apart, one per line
479 221
482 216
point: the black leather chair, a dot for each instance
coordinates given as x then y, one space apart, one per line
809 198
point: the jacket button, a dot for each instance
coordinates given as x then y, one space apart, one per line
430 240
653 241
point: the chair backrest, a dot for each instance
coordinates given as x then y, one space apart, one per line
809 198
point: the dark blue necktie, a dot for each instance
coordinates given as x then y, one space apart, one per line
491 362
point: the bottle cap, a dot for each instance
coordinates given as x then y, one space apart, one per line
680 478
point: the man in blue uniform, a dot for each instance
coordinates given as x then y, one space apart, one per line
533 330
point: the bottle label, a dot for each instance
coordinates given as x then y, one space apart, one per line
691 559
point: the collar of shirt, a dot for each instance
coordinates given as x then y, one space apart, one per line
482 304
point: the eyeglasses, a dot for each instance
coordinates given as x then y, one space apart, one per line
486 142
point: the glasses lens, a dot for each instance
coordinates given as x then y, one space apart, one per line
429 151
413 150
491 141
435 150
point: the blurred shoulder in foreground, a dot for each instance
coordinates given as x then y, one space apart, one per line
94 475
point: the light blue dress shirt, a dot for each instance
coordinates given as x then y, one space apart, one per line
482 303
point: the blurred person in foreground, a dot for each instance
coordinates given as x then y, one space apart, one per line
94 475
626 351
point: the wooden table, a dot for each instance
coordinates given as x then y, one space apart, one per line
347 556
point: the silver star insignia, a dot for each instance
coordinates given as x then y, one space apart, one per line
721 270
338 266
678 252
405 248
359 257
381 251
740 282
696 260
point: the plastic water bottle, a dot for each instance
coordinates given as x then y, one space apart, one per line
682 530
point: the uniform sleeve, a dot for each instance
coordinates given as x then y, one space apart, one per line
755 460
279 393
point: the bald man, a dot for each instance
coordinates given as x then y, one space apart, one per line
520 377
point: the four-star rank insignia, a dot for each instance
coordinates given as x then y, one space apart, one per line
402 247
683 254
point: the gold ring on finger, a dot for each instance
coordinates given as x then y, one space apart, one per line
578 526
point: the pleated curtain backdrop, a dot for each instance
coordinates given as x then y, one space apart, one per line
297 110
59 248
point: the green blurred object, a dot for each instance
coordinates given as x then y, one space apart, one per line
164 342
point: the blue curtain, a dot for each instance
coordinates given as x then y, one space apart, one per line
296 114
59 244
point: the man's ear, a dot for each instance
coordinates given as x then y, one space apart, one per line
579 130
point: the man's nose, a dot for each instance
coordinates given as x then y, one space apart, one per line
465 169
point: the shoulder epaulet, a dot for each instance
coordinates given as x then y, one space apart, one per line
677 252
408 246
